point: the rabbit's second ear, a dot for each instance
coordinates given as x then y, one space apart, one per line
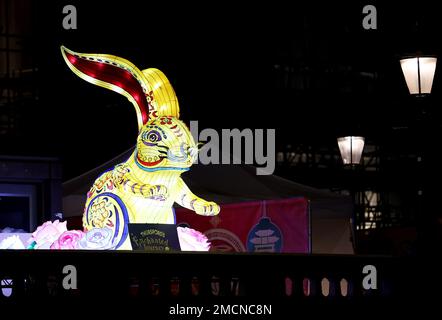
165 101
114 73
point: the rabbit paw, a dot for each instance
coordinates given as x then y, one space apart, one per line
205 208
156 192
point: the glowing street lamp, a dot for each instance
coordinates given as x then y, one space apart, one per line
419 73
351 149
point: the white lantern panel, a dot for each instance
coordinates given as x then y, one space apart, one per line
427 68
351 149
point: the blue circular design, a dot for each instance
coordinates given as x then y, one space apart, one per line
117 216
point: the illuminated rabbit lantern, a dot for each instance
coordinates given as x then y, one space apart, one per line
144 188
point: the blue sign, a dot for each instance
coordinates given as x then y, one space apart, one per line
265 236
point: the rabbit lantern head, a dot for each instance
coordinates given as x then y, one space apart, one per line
144 188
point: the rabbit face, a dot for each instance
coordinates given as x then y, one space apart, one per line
165 142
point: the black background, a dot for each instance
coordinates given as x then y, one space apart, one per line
224 61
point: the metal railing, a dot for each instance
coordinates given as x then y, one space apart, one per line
161 279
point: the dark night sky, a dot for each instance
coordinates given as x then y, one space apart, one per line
221 61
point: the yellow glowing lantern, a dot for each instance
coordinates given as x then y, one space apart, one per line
144 188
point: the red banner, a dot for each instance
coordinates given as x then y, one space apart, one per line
260 226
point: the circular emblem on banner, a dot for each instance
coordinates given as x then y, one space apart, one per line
265 236
224 240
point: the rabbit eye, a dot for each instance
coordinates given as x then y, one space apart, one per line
152 136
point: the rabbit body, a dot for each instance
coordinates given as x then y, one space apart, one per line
145 187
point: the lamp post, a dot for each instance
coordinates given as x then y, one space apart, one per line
351 148
419 73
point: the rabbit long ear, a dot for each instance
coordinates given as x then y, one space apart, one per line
165 101
116 74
